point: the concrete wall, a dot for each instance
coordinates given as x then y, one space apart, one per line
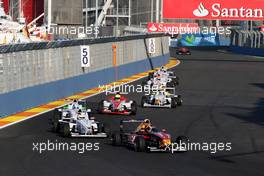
248 51
34 67
34 77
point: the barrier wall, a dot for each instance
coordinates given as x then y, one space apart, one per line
34 77
247 42
247 51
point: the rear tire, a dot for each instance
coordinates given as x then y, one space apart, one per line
116 139
100 107
173 103
179 100
134 108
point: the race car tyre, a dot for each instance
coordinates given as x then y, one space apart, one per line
175 80
56 126
66 130
100 107
151 75
116 139
140 144
103 128
170 84
173 103
179 100
134 108
143 101
55 121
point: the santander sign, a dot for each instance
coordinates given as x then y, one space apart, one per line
217 9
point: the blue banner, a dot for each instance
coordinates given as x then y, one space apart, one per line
198 40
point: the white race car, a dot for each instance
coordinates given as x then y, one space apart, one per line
164 73
162 98
161 82
77 123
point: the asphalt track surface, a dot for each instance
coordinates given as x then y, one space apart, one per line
223 102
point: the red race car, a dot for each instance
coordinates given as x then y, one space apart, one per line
118 105
183 51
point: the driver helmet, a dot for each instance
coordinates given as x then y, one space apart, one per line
147 121
117 96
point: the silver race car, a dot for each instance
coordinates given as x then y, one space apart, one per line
165 98
77 122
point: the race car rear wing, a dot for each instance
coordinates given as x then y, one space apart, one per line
132 121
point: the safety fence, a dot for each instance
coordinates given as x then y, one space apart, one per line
248 39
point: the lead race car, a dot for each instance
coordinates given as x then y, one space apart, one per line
183 51
118 105
75 120
141 136
165 98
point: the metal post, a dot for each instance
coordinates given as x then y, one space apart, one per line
49 15
161 12
129 12
96 16
117 16
157 11
86 13
151 11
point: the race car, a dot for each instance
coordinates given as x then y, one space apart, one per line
141 136
76 105
118 105
165 98
163 73
183 51
161 82
162 77
77 123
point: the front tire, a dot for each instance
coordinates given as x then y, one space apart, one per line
143 101
140 144
66 130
